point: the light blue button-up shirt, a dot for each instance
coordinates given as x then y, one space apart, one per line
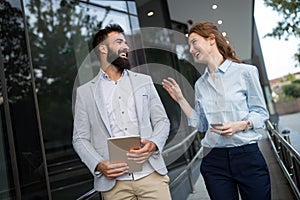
234 95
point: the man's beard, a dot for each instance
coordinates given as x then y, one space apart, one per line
117 61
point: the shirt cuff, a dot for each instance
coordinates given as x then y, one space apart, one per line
97 174
156 154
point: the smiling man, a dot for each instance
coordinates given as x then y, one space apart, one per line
119 102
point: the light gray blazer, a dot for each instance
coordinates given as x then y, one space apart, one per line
91 124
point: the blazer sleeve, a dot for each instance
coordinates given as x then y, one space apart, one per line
82 134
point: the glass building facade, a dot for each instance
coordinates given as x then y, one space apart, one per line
44 48
43 44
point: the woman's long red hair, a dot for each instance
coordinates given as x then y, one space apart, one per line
206 29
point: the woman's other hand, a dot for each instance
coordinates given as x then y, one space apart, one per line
229 128
172 88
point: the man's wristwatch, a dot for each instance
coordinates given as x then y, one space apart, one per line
248 127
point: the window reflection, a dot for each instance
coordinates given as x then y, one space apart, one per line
59 44
105 15
22 136
134 22
119 5
132 7
5 182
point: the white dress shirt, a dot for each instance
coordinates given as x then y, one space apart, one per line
121 111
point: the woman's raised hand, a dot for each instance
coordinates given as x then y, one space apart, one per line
172 88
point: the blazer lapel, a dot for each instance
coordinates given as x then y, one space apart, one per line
97 94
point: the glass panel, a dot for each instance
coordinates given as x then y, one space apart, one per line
119 18
6 179
118 5
134 22
6 176
168 56
132 7
31 171
106 16
59 44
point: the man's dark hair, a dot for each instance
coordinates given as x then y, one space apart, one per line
101 35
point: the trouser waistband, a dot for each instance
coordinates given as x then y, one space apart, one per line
231 150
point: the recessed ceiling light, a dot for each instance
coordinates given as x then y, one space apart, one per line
214 7
186 35
150 13
224 34
220 21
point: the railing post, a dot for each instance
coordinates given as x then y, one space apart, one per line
189 171
288 157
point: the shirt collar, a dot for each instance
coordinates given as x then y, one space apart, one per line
104 76
223 67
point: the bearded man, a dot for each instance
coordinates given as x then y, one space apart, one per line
119 102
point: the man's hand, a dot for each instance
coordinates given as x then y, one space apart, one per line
112 170
142 154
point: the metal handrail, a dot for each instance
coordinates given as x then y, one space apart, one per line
188 167
92 193
288 158
180 144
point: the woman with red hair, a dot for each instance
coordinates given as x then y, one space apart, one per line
230 107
